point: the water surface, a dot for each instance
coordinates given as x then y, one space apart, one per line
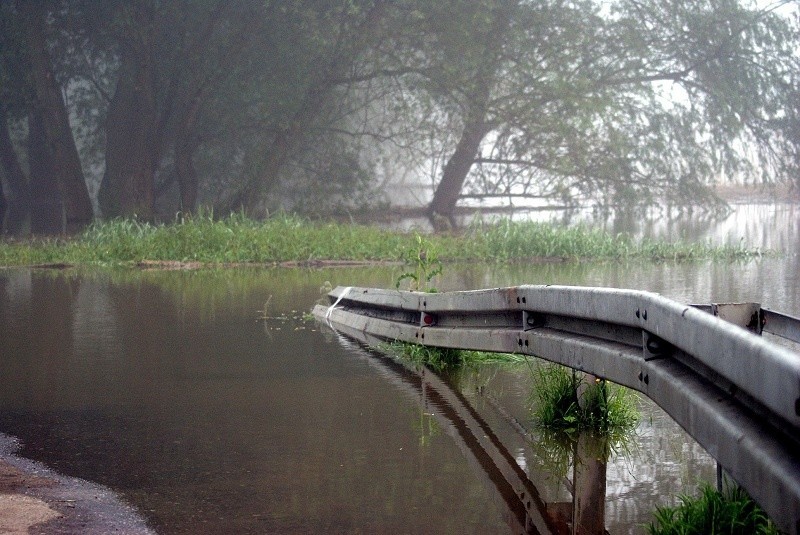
211 405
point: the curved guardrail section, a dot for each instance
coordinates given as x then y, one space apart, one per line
736 393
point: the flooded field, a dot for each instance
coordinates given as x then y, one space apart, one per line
211 404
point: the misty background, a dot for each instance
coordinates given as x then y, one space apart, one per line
149 108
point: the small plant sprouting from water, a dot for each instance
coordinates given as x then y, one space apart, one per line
427 427
425 264
563 401
730 511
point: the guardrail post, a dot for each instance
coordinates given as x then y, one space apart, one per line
747 315
589 482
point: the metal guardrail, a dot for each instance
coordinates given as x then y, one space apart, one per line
782 325
736 393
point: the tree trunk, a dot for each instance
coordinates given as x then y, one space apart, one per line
281 149
47 206
478 89
442 207
2 209
57 133
187 175
16 195
132 149
331 73
185 145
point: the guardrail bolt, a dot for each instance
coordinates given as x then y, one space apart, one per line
656 347
532 320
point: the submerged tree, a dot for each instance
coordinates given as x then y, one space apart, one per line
256 105
645 100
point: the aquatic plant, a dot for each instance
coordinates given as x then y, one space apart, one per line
730 511
563 400
440 359
238 239
425 264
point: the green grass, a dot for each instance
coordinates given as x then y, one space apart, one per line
730 512
237 239
508 240
441 359
602 408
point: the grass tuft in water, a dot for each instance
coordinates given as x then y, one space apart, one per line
441 359
563 402
239 239
731 511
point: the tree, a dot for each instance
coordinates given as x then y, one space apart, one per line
334 42
162 86
132 144
260 104
50 113
574 97
15 195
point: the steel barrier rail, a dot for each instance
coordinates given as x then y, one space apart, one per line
737 394
781 325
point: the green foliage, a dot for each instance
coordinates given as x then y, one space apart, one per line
308 104
713 512
506 239
436 358
509 240
239 239
425 263
602 408
441 359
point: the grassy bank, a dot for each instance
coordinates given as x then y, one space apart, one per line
237 239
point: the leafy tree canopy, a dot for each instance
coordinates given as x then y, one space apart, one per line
261 104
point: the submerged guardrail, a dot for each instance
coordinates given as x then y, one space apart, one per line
735 392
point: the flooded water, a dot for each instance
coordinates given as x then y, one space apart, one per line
212 406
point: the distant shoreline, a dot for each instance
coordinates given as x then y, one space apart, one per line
761 193
730 193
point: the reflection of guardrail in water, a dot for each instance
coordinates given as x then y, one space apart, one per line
525 511
737 394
